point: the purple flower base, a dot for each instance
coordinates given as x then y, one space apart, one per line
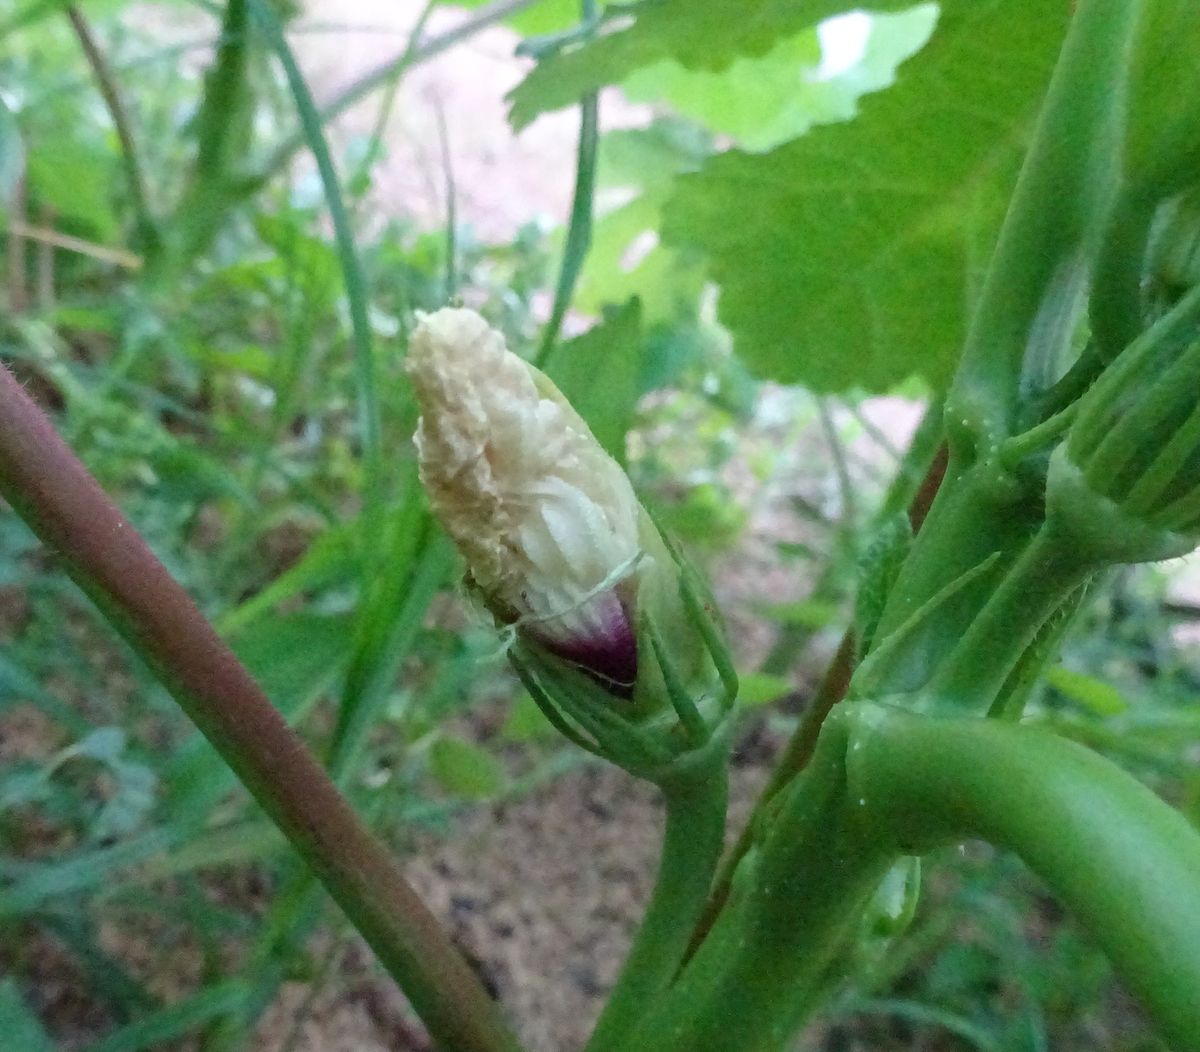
606 649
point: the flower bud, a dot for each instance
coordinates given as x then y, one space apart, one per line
556 543
1125 485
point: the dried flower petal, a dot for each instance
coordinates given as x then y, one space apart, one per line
547 521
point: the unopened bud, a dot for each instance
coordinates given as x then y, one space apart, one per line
559 548
1125 485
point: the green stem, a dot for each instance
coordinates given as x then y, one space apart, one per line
1035 587
579 229
139 198
795 898
66 508
1116 305
980 511
695 827
925 460
383 73
367 396
1037 438
222 124
1053 227
1125 864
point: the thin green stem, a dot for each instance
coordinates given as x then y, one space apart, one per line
66 508
1136 426
1039 437
391 88
841 470
579 228
356 287
695 825
376 78
222 124
139 198
451 279
1116 302
1150 488
795 898
681 701
1168 333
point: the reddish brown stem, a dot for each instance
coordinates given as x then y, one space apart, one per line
53 492
799 749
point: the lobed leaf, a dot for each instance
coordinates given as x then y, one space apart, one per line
699 35
849 257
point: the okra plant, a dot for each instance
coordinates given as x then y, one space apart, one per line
1071 446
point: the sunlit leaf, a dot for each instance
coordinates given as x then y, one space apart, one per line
1093 694
698 34
763 101
849 257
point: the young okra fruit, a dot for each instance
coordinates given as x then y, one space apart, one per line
608 628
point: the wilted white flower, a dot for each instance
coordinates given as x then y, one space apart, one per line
546 520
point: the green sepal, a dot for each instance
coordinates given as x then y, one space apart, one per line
668 726
1097 531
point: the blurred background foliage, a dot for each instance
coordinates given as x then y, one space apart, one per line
208 286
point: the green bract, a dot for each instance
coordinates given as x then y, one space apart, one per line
1125 486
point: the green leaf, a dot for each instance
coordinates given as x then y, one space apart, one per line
760 688
466 770
74 177
625 258
848 258
547 16
599 373
811 613
763 101
526 722
12 154
698 35
20 1027
169 1024
1099 697
104 744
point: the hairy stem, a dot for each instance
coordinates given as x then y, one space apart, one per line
103 554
